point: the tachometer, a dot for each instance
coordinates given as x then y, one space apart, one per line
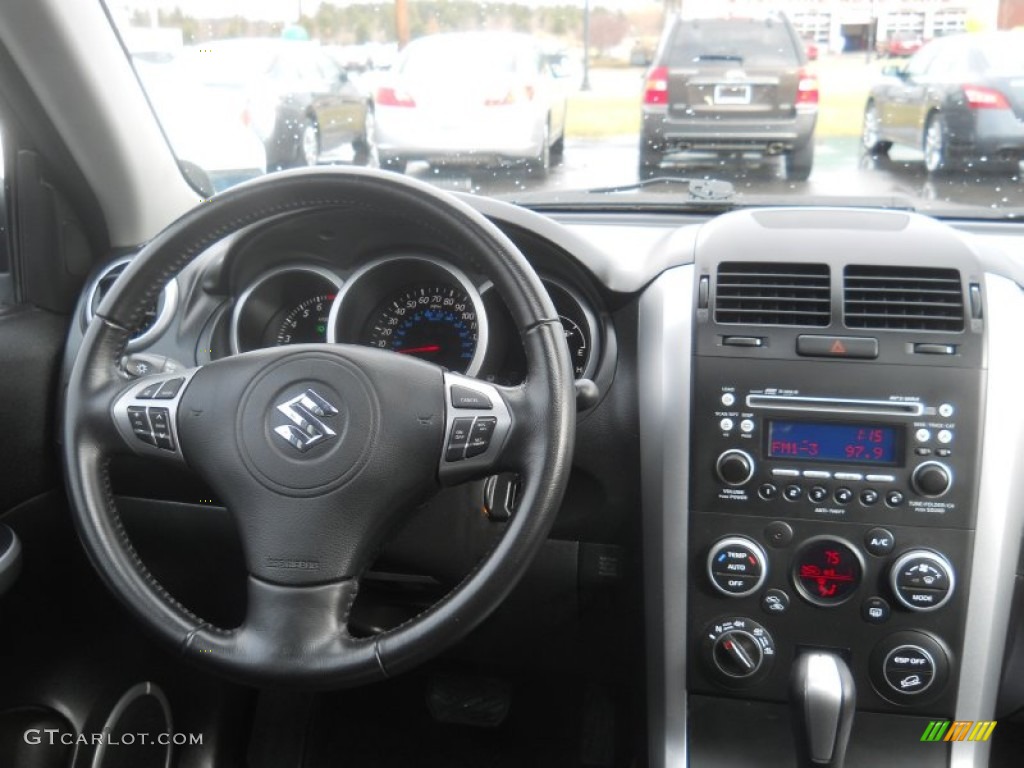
305 323
432 321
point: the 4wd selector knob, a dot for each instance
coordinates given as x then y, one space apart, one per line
735 467
740 649
932 478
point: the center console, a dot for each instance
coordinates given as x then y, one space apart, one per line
829 514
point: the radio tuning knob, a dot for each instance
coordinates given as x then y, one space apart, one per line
735 467
931 479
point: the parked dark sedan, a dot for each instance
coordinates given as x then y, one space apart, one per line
959 99
301 103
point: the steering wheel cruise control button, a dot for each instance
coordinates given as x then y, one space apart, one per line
149 392
480 436
160 419
464 397
458 439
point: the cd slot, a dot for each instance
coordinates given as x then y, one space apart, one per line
834 405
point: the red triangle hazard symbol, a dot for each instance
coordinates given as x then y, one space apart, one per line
838 348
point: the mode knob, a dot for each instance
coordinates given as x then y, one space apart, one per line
932 478
922 580
735 467
739 649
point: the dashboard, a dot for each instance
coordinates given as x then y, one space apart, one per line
806 417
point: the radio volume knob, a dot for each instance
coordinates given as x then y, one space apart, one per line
932 479
735 467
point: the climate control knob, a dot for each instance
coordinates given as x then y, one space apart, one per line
735 467
738 649
922 580
932 479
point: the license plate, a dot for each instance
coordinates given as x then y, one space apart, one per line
732 94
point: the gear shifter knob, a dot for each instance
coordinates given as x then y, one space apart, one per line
823 697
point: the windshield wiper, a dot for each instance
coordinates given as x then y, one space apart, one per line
714 190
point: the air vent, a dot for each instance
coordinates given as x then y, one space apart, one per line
157 316
903 298
756 293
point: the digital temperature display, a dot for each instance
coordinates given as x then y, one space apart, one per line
827 571
815 441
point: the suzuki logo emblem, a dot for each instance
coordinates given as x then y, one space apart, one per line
305 412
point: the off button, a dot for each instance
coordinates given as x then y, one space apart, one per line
909 669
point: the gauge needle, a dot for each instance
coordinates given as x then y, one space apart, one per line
416 350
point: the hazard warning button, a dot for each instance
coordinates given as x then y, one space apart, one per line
810 345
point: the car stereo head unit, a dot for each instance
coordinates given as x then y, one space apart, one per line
899 446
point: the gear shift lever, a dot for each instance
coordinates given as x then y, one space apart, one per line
823 697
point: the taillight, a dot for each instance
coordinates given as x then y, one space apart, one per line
393 97
512 96
980 97
656 86
806 88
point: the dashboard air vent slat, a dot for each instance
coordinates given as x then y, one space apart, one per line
755 293
903 298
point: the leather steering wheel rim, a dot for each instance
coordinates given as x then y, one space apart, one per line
295 631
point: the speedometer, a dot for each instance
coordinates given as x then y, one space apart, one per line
436 322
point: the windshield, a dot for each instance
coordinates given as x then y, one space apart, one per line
909 103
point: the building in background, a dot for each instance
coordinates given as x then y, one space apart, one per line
859 25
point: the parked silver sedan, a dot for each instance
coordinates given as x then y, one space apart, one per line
481 98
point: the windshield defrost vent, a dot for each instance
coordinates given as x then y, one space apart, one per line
759 293
903 298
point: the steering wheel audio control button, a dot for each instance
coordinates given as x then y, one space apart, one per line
464 397
458 439
140 424
480 435
160 420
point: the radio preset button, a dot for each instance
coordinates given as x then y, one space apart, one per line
817 493
881 478
894 498
946 410
945 436
785 473
747 426
923 435
726 425
815 474
728 399
793 492
843 495
854 476
868 497
768 491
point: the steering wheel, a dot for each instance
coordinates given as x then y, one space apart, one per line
319 450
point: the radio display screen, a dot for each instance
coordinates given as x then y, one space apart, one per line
816 441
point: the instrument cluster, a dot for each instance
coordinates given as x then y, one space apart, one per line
408 303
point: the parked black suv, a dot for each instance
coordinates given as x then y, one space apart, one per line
729 86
